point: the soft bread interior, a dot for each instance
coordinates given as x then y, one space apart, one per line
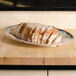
31 32
36 33
47 33
52 36
57 39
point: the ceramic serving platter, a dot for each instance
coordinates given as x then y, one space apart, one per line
66 37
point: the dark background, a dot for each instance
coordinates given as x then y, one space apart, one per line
45 4
38 3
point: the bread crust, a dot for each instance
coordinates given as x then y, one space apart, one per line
31 32
52 36
35 32
47 33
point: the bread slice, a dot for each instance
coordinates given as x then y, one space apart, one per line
41 31
33 27
57 39
25 32
52 36
17 31
48 31
36 34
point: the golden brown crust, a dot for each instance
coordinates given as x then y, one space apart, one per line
52 36
47 33
20 28
24 33
30 33
35 33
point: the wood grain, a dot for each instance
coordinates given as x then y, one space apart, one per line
2 49
16 53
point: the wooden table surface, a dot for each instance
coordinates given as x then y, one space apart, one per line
13 52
